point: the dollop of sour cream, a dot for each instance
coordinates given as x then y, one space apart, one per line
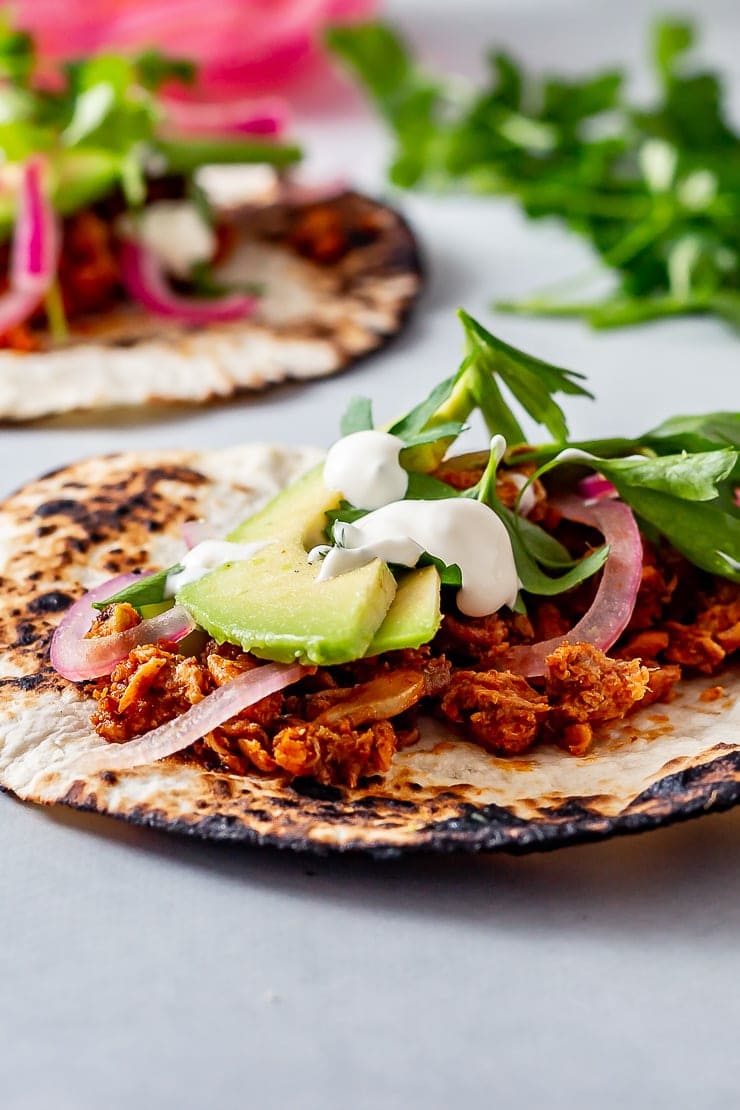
177 233
205 557
456 530
364 467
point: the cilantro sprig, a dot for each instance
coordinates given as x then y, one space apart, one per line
654 189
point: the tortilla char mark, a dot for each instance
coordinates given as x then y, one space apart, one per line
385 819
69 525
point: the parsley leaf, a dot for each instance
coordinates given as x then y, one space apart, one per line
654 189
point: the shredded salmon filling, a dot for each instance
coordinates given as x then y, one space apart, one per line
345 723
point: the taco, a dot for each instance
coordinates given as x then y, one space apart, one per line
396 648
141 264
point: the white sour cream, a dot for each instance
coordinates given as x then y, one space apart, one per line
176 232
455 530
208 556
365 469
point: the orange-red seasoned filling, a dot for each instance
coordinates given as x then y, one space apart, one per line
344 724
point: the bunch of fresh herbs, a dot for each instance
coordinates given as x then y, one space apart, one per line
654 189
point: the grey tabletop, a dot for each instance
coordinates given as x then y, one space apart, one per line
138 970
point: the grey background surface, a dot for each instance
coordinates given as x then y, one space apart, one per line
142 971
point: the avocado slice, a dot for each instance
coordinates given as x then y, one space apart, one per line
414 615
273 605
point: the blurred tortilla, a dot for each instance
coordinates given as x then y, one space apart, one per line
78 526
314 319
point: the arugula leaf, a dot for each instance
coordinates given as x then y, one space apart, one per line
149 590
419 417
691 434
693 477
358 416
671 40
424 487
533 579
411 102
449 573
704 532
450 429
683 497
679 496
531 545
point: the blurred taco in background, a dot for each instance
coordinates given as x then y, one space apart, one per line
153 250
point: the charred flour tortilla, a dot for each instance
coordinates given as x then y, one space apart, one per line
339 278
76 527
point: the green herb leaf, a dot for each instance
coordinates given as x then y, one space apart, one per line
532 381
419 417
692 477
707 534
155 68
450 429
149 590
449 573
187 156
533 579
358 416
100 125
17 53
655 189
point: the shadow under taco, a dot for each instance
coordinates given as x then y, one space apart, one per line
600 697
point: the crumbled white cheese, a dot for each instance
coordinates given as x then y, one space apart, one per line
177 233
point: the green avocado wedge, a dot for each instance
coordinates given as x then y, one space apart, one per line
414 615
274 605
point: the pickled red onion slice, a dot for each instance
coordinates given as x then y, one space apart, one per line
252 116
35 249
146 282
595 486
78 659
615 598
202 718
196 531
